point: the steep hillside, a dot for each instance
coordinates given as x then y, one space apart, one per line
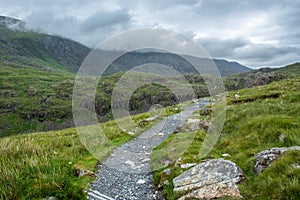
261 76
20 46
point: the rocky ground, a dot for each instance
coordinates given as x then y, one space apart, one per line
126 174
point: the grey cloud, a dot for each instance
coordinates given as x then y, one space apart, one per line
266 55
228 29
222 48
48 19
104 19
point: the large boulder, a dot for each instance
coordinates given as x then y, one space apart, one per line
266 157
210 179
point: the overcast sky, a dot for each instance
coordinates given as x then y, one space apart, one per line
255 33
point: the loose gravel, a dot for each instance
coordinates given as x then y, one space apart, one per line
126 174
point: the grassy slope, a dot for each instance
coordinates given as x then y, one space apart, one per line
33 100
39 165
260 118
29 96
27 48
261 76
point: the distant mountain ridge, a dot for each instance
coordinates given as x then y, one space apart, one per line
20 46
132 59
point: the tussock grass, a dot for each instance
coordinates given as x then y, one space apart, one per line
257 119
43 164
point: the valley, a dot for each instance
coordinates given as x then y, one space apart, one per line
43 157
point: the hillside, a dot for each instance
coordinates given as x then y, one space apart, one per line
23 47
49 164
37 100
257 118
261 76
132 59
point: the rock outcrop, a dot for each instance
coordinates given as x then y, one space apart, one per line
210 179
195 124
266 157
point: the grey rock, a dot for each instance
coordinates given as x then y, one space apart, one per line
226 155
295 165
195 124
166 182
79 172
266 157
178 162
210 179
167 172
187 165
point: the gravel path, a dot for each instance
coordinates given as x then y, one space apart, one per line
126 174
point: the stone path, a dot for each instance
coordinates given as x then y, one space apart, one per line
126 174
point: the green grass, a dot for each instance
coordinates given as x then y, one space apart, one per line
43 164
257 118
34 100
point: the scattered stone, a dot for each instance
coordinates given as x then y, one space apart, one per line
206 111
129 162
130 133
266 157
211 179
178 162
226 155
187 165
202 125
167 172
94 194
147 121
145 160
236 96
141 182
80 171
295 165
167 163
166 182
195 124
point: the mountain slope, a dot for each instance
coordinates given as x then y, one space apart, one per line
132 59
36 100
25 47
20 46
261 76
52 158
257 119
